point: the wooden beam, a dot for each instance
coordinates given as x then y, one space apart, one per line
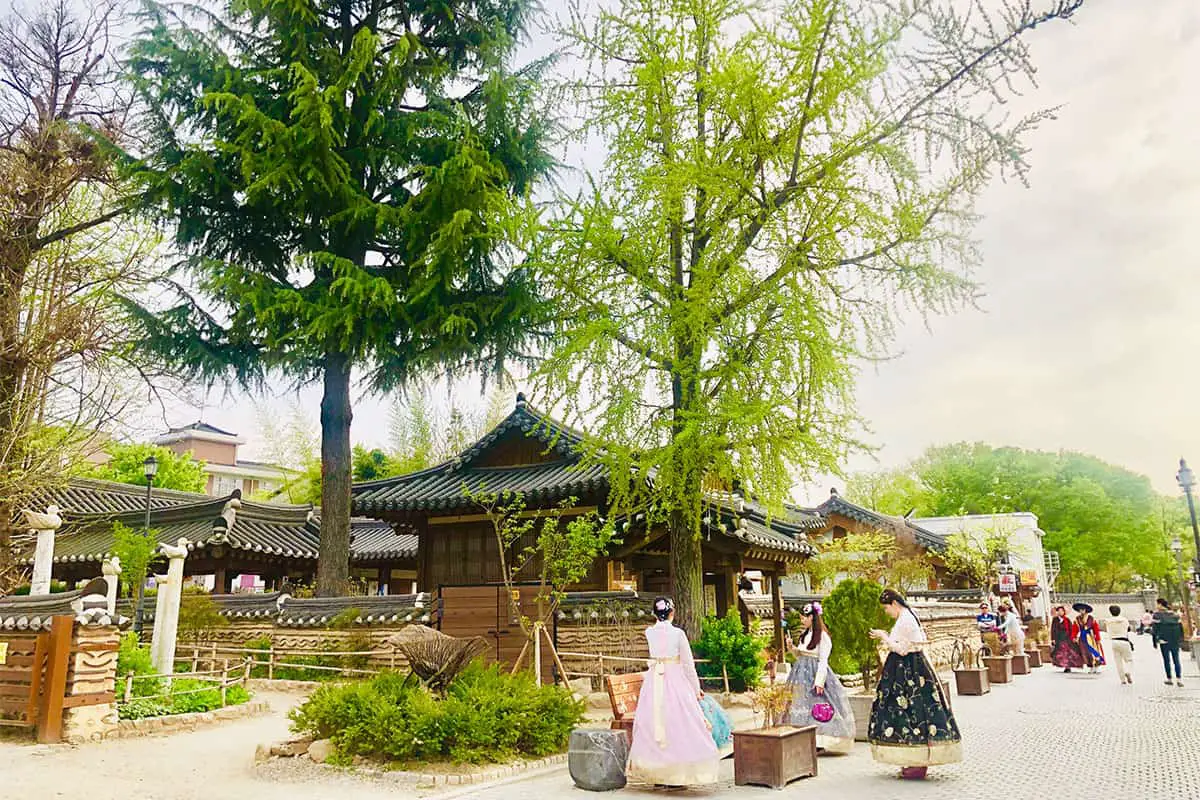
777 604
543 512
54 689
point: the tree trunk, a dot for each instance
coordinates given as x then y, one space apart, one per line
687 575
333 565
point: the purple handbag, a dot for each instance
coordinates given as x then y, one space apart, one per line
822 712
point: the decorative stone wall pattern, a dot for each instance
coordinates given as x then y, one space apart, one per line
92 671
238 634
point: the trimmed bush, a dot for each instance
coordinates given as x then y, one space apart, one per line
149 696
723 643
485 716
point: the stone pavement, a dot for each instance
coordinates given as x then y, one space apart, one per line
1067 737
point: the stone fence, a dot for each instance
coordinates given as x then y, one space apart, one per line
1133 605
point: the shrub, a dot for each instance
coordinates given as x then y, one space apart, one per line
150 698
133 657
56 587
852 610
723 644
486 715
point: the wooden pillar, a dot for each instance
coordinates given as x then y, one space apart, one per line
222 580
727 598
54 684
777 605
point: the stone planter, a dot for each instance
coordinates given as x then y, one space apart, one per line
972 682
999 668
1035 658
774 757
860 704
596 759
1020 664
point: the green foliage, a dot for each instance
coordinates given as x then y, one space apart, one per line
371 465
178 472
759 223
1107 523
133 657
55 588
724 645
136 552
852 611
975 554
542 547
873 556
187 696
486 715
199 616
352 192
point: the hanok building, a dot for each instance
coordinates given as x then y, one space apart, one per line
227 537
541 459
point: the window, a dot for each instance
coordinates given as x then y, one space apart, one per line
225 484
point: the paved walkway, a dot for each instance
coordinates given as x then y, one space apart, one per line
1070 737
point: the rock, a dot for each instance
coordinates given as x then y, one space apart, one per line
596 759
599 700
320 750
581 686
292 748
263 753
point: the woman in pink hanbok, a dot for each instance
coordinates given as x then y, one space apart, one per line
672 745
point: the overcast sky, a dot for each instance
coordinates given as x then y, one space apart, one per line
1087 335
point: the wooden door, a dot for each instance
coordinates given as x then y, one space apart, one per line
487 612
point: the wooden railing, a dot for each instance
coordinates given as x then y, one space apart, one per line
273 658
222 679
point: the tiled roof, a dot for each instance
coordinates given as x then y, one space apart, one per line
86 496
294 612
443 486
288 531
202 427
86 605
836 504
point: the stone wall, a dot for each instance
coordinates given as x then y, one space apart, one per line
1132 605
239 633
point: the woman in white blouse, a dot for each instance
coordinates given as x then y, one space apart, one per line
911 724
815 685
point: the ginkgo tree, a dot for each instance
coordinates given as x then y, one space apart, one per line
782 179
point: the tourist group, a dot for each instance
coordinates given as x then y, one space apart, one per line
685 734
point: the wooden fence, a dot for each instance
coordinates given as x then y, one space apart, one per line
274 658
603 661
223 679
33 678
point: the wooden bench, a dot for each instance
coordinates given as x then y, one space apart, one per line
623 693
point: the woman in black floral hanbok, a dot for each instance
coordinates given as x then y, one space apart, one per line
911 724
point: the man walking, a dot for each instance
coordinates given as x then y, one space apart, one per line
1167 631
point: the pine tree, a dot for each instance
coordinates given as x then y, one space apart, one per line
349 181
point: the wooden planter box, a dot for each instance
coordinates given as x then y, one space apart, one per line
1035 658
946 691
1046 652
1020 664
972 681
999 668
774 756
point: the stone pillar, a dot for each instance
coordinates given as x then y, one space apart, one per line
92 716
44 525
166 619
111 569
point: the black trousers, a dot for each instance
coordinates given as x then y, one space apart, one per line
1170 653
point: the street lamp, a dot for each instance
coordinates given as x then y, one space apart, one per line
1177 549
149 469
1187 480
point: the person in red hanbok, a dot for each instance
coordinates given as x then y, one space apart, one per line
1089 638
1064 638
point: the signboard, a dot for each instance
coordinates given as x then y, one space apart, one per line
3 652
1008 582
1029 577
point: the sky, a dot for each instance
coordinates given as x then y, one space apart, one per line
1087 332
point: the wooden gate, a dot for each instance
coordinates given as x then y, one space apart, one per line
486 612
33 678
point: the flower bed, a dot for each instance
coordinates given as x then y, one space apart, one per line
485 716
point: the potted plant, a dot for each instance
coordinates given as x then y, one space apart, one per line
852 611
999 665
970 676
775 754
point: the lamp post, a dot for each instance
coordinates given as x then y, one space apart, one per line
150 469
1177 549
1187 480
